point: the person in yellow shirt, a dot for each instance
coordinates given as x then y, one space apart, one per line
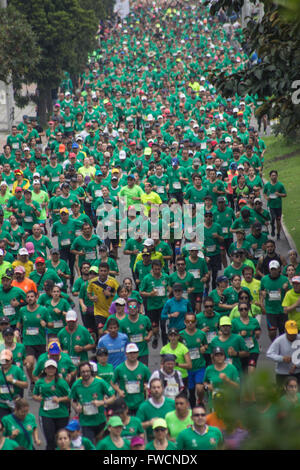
101 291
87 169
20 182
149 197
291 301
23 260
252 283
149 244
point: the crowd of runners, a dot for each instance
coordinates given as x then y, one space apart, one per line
142 160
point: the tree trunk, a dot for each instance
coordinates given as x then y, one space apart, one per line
42 107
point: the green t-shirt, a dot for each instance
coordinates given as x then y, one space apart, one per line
269 190
149 283
47 391
80 337
64 364
6 309
132 383
198 270
274 293
89 247
212 376
107 444
251 342
176 425
237 343
189 439
91 415
32 332
137 331
13 391
11 425
194 343
150 446
105 372
64 232
147 411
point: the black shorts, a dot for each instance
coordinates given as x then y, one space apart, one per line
251 360
276 321
215 263
226 244
100 321
276 212
35 350
155 316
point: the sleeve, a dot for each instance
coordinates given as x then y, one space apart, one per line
274 351
180 443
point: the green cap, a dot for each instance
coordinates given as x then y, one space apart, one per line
114 421
225 321
160 423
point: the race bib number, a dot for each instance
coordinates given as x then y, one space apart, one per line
89 409
9 310
32 331
132 387
195 273
274 295
49 405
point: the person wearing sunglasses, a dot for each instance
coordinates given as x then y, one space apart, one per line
196 342
249 328
138 328
213 239
218 375
233 344
236 266
208 322
176 308
200 436
160 441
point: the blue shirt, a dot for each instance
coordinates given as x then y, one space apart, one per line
172 305
115 346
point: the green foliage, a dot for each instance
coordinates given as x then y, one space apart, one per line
271 423
276 39
65 32
19 51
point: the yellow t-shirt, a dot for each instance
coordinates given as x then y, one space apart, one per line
27 266
96 287
254 287
153 197
291 298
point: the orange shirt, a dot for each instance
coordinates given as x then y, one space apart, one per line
25 285
213 420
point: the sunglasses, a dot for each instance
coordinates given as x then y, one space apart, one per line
196 415
243 309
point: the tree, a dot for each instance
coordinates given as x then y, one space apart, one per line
276 40
19 52
66 33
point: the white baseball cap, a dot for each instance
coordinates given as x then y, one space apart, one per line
274 264
50 362
148 242
131 347
23 251
71 315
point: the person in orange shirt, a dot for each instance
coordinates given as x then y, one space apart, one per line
21 281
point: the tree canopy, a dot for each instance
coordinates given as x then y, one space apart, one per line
66 33
276 41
